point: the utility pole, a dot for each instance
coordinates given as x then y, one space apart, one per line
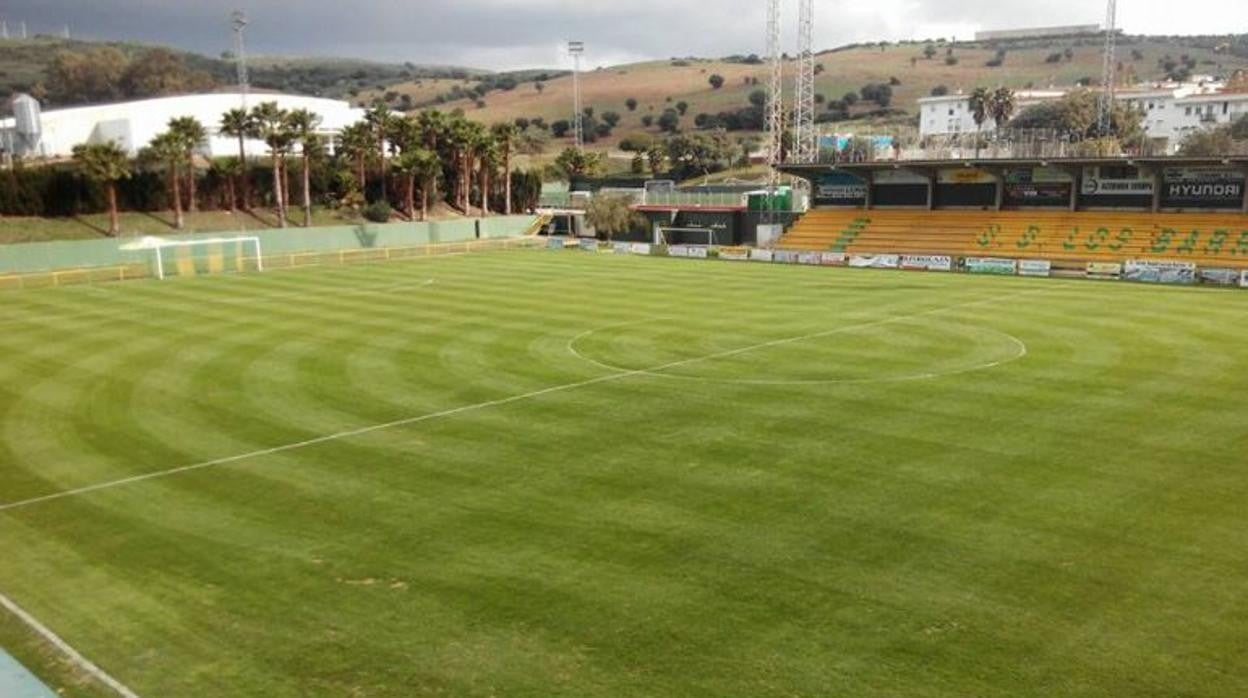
1109 75
240 54
577 49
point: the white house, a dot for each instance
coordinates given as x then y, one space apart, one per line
132 125
1171 111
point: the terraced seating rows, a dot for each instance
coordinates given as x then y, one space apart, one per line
1215 239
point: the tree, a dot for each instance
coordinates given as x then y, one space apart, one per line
611 215
656 156
505 136
929 52
166 149
631 103
940 91
669 121
272 128
237 123
381 120
192 136
302 124
1002 106
560 128
682 107
356 144
228 170
980 102
576 163
717 81
107 164
758 98
93 75
612 119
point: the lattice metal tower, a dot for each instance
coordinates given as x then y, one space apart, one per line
1109 75
774 117
239 19
805 137
577 49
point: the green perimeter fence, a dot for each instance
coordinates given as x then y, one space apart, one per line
43 257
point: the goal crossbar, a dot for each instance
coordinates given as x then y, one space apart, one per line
158 245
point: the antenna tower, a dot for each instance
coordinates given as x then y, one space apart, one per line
239 19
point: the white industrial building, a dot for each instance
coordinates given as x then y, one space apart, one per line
132 125
1171 111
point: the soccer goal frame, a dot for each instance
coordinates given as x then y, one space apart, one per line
158 246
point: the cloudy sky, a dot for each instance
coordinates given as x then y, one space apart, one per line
502 34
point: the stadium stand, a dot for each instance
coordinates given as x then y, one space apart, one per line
1212 239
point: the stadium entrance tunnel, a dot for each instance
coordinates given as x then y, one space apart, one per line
867 351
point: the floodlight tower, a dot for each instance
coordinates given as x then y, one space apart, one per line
239 19
774 118
805 139
1109 75
577 49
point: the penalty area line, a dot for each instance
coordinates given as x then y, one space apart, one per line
66 649
500 402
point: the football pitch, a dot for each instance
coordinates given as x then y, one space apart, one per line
546 473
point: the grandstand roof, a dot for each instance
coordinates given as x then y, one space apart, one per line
991 163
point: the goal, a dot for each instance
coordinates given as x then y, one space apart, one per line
200 256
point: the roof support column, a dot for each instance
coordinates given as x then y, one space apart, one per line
869 177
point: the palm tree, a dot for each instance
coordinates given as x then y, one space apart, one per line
107 164
239 124
228 170
487 151
429 166
192 135
272 128
433 124
505 135
980 102
357 144
1002 106
167 149
381 121
303 124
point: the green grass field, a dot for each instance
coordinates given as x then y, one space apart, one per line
563 474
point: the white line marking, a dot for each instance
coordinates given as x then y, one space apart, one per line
483 405
1020 354
74 656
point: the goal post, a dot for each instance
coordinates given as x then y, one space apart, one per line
200 256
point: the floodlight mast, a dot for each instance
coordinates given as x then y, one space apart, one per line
1109 74
240 22
576 49
774 122
805 138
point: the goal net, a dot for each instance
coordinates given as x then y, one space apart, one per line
217 255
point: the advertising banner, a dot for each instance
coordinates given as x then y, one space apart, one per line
641 248
1202 187
678 251
589 245
839 189
762 256
622 248
734 254
833 259
699 253
1104 270
811 258
1035 267
1220 277
1243 280
927 263
1160 272
992 265
787 257
555 243
1116 181
877 261
965 175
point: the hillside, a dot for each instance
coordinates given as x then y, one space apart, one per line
664 84
24 66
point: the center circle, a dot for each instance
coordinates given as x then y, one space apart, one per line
868 352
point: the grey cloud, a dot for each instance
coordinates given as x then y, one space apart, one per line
525 33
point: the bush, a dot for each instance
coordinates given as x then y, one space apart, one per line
377 212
